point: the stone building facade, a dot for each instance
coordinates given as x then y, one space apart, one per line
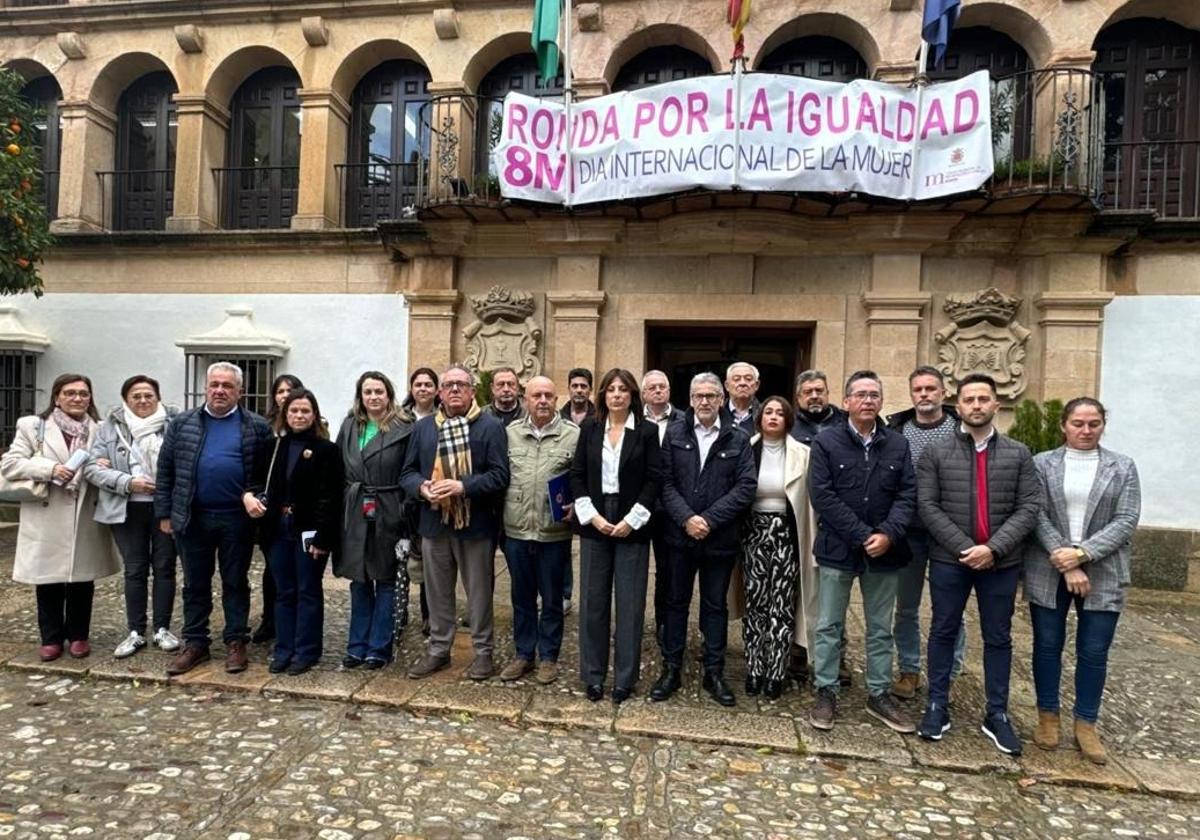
333 157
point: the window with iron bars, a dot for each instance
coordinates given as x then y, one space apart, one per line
257 374
18 390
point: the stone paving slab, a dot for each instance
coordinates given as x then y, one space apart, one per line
963 749
569 710
147 666
1166 777
65 664
862 741
1069 767
477 700
319 683
712 725
213 675
387 688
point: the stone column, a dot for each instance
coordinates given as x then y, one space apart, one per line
326 121
88 146
432 304
895 311
575 303
1072 311
201 140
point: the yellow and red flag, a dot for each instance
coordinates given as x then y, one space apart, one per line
737 17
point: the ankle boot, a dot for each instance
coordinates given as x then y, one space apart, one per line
1048 730
1089 742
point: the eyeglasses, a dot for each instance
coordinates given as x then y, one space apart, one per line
71 394
864 396
457 386
706 397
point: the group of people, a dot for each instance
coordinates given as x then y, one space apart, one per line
774 508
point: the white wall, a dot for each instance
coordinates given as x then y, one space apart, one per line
110 337
1151 389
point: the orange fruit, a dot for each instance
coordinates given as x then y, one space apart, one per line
24 263
13 149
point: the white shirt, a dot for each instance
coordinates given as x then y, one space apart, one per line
980 445
1078 476
868 439
610 482
662 421
705 438
739 416
212 413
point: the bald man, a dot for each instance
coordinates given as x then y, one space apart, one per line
537 543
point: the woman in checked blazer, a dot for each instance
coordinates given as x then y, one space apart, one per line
1080 557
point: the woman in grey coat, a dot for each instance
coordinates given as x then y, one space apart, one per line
373 441
125 458
1081 558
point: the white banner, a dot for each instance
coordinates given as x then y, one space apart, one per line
795 135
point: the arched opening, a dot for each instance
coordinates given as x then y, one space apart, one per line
816 57
261 181
143 185
389 141
661 64
515 74
43 93
1149 72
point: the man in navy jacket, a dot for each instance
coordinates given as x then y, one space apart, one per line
864 493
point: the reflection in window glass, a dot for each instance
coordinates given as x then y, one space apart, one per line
256 137
414 144
379 132
291 137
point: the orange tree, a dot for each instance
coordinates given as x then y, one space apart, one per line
24 230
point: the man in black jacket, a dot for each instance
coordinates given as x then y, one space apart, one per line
979 497
709 481
863 491
814 414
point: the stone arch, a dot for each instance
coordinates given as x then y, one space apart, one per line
365 58
120 73
1006 17
1184 14
492 53
238 66
659 35
30 69
831 25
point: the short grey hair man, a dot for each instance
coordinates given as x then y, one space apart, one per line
709 379
459 366
811 375
226 367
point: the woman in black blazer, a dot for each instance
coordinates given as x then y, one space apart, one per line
615 482
297 492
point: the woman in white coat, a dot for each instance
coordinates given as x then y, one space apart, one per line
61 548
778 571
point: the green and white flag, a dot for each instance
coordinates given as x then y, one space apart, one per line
546 17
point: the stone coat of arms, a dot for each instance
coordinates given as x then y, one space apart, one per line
984 338
505 334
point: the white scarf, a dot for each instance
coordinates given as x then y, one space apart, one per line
147 435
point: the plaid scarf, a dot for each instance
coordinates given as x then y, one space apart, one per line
454 461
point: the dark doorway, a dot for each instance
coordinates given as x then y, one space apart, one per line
779 353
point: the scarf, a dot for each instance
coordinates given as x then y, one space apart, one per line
76 434
147 435
454 461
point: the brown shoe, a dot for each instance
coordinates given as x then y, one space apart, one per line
235 657
482 667
906 685
1089 742
187 659
1048 730
547 672
427 665
516 669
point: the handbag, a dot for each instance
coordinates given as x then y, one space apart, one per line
18 490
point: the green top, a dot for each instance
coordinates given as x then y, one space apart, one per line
368 434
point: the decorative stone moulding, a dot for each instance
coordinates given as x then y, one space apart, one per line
71 44
237 334
14 335
189 38
505 333
984 338
589 17
314 31
445 24
902 5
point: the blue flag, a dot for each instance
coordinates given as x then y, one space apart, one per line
936 25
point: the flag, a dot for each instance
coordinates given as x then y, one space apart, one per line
546 16
936 25
737 17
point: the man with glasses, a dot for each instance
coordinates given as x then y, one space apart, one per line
457 466
863 491
814 413
708 483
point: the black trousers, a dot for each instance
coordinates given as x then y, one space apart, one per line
64 611
662 577
144 548
715 571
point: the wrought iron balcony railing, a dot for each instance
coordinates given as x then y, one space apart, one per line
378 191
257 197
137 199
1158 175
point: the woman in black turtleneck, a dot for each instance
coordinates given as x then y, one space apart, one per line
297 492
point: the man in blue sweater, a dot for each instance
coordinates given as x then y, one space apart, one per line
203 470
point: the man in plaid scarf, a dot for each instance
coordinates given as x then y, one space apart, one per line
457 466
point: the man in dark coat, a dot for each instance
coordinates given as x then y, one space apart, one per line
741 380
457 465
506 405
657 407
814 413
709 482
863 491
204 468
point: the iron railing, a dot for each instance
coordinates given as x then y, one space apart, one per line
257 197
377 191
50 193
137 199
1158 175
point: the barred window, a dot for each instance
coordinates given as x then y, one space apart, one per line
257 372
18 390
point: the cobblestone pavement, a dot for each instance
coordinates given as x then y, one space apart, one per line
271 757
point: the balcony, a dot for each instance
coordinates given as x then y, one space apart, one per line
137 199
378 191
1157 176
257 197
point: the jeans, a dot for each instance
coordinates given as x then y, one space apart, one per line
907 626
950 586
214 541
64 611
568 579
714 572
833 597
372 620
144 547
299 600
536 570
1093 637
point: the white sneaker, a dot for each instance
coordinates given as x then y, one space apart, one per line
130 645
164 639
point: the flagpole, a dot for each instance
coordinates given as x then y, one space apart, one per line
738 64
921 80
569 98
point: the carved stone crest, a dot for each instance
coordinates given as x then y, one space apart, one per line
984 338
505 334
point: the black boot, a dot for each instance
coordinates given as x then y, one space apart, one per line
668 683
797 668
754 685
715 685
